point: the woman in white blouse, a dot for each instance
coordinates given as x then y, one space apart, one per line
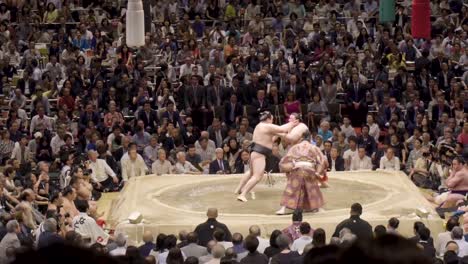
374 129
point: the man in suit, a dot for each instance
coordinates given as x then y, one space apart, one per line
216 132
260 105
392 108
436 63
444 77
89 115
236 88
232 111
356 101
193 249
439 109
219 165
298 90
195 102
242 165
27 84
172 115
335 161
216 92
428 248
253 87
149 117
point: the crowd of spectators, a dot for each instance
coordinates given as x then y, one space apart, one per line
82 113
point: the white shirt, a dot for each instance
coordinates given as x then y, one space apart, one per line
350 154
300 243
441 242
132 168
180 168
361 164
119 251
159 167
56 143
16 153
393 164
262 244
101 170
88 227
462 247
349 131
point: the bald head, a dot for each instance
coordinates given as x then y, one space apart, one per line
212 213
148 236
218 251
255 230
210 245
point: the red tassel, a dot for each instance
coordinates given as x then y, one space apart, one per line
421 19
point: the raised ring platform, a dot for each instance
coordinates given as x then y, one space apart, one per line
178 202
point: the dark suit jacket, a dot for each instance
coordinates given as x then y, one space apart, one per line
239 167
388 113
261 107
150 122
22 84
300 93
238 111
212 135
440 79
240 92
271 100
194 98
360 97
173 118
339 163
84 119
212 97
428 249
214 167
436 112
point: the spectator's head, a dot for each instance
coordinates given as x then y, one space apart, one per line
13 226
212 213
417 226
457 233
424 234
170 242
181 157
305 228
190 260
327 145
390 153
219 153
334 153
451 223
218 251
452 246
319 238
92 155
255 231
251 243
356 209
283 242
237 239
393 223
219 235
148 237
379 230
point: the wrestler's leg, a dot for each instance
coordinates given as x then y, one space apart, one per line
245 178
257 170
452 200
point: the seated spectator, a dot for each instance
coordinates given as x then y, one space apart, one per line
205 230
103 175
182 166
219 165
305 239
193 249
133 166
285 255
361 161
390 161
161 165
359 227
251 244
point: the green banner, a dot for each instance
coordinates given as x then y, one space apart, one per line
386 11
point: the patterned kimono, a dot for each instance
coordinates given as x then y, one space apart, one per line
302 189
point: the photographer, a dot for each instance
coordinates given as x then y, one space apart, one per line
421 173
